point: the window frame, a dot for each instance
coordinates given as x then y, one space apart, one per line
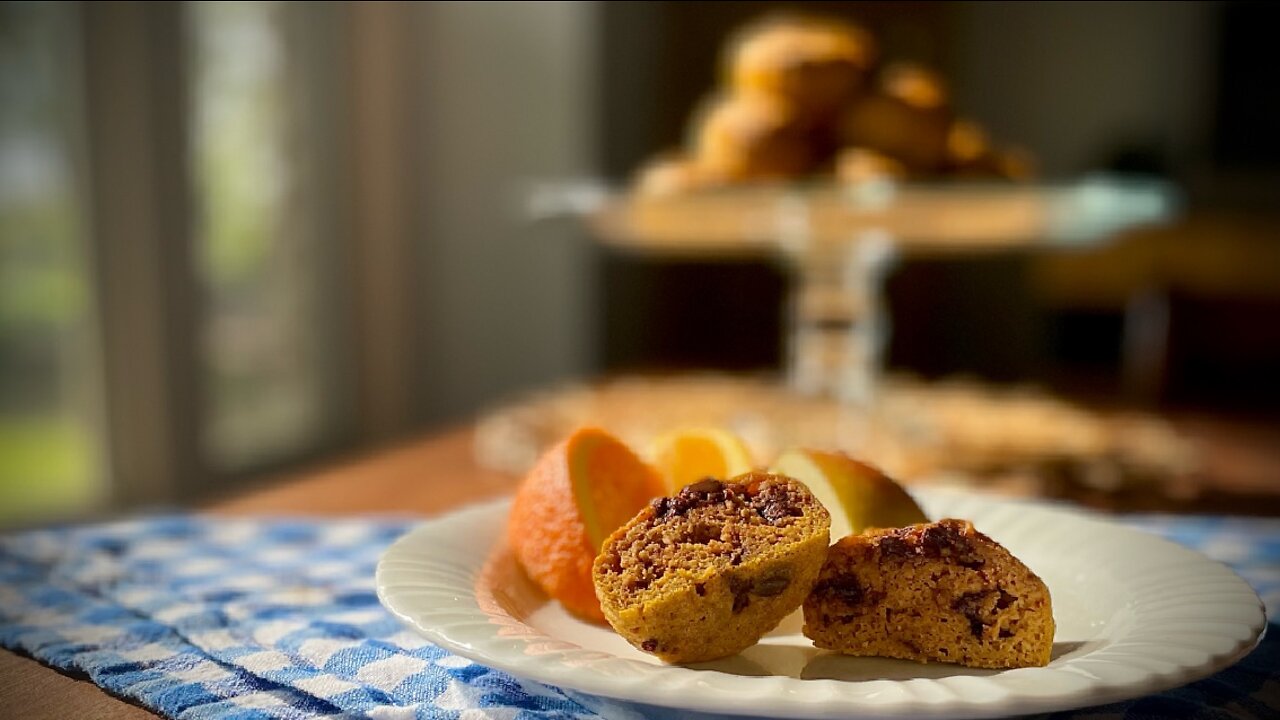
141 220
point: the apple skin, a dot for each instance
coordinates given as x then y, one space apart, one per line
857 495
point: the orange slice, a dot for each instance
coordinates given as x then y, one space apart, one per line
578 493
687 456
857 495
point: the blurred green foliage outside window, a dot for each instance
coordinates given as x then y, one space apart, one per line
50 459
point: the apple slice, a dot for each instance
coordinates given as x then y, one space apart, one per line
857 495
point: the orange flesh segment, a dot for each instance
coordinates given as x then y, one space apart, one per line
610 484
692 454
700 458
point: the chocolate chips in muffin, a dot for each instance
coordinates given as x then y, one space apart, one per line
943 539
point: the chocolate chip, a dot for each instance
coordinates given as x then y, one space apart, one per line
700 589
939 539
975 627
741 589
700 494
661 507
1006 633
773 584
776 500
894 546
946 539
970 605
649 645
1005 600
773 512
843 587
772 498
705 485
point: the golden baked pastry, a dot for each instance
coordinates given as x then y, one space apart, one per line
797 100
859 165
967 144
751 137
936 592
672 175
916 86
970 154
703 574
816 65
1015 164
908 119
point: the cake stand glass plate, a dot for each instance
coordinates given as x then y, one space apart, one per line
786 219
837 243
1135 614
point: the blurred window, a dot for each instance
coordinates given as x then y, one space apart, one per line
50 459
264 341
209 221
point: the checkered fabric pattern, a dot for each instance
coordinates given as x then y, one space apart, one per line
197 617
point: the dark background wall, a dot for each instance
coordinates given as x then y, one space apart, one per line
1174 90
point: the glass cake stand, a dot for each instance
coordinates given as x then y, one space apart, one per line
838 243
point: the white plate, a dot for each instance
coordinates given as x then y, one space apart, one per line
1136 615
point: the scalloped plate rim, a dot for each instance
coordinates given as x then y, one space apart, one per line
478 638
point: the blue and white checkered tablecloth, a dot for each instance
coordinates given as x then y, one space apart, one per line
197 617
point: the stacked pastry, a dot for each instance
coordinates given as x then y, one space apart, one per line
807 97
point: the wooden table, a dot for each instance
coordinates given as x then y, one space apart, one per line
439 473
